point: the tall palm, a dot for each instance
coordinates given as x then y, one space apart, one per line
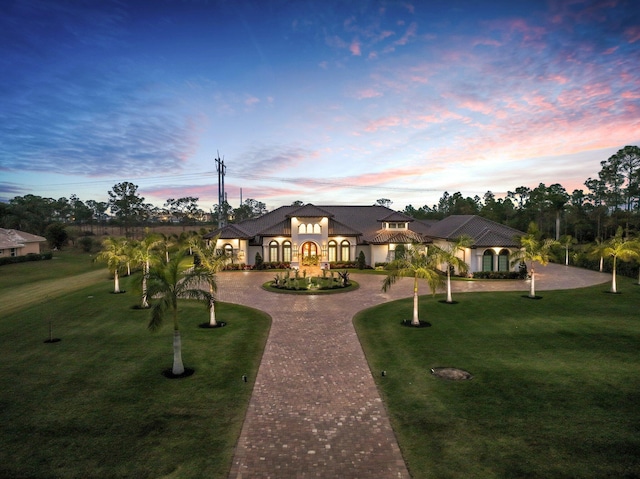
144 255
533 250
114 254
597 251
419 262
212 261
167 284
448 255
620 248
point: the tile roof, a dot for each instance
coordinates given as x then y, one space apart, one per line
484 231
17 239
364 222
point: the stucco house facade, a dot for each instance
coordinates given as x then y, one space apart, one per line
326 235
18 243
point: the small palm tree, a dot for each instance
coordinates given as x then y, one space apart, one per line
419 262
620 248
167 284
533 250
566 241
451 260
597 251
144 255
114 254
212 261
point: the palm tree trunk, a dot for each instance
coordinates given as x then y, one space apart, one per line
415 321
116 282
566 256
145 274
449 298
178 366
601 263
212 314
532 291
613 277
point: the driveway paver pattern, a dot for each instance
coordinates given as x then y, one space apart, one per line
315 410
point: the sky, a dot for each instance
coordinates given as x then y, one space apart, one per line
326 102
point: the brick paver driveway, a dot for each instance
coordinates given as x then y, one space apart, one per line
315 410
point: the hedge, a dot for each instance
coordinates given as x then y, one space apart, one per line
25 258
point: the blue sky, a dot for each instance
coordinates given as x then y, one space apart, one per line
328 102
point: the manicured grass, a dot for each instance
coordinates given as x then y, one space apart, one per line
555 391
96 403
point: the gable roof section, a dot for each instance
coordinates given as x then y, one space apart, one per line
485 233
17 239
310 211
397 217
232 231
407 236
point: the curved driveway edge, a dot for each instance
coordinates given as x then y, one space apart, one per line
315 410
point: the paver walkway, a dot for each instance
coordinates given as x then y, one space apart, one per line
315 410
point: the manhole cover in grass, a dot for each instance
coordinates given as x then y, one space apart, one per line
453 374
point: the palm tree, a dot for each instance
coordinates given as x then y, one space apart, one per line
566 241
419 262
448 255
143 254
212 261
533 250
620 248
114 254
168 283
597 251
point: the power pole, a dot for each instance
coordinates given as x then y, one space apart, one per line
221 169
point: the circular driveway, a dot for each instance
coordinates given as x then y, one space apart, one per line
315 410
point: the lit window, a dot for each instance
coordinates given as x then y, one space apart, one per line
487 260
286 251
273 251
503 260
228 250
333 251
345 251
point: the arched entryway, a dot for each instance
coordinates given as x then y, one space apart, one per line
309 249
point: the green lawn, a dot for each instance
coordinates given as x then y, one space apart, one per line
96 405
555 393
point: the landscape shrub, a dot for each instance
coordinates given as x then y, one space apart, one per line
497 275
25 258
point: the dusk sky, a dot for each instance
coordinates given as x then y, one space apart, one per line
327 102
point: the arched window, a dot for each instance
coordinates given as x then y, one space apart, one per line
503 260
345 251
228 250
302 229
487 260
333 251
317 229
273 251
286 251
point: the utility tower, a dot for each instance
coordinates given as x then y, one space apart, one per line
222 197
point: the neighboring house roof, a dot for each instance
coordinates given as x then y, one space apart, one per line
485 233
17 239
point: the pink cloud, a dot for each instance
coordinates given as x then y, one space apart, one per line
368 93
354 48
632 34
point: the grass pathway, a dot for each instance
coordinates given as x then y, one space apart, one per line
21 296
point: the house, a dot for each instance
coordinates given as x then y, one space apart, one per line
18 243
325 235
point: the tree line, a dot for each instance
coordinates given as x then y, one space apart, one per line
609 201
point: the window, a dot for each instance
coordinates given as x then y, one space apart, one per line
487 260
345 251
333 251
302 229
286 251
228 250
503 260
317 229
273 251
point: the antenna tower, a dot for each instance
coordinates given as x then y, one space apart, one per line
222 197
